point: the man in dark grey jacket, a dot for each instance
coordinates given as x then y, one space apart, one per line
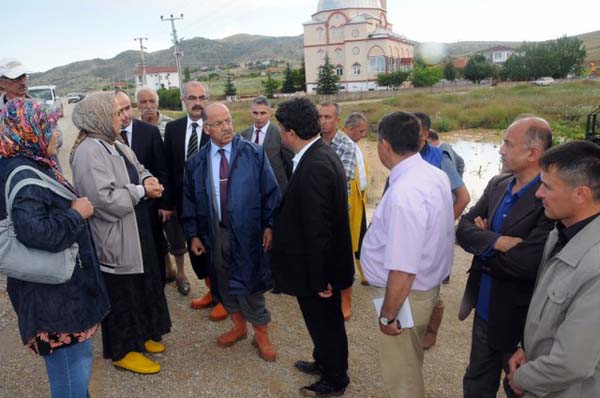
266 134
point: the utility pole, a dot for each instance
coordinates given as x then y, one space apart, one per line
142 48
178 54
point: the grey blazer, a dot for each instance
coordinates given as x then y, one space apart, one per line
561 333
279 157
102 176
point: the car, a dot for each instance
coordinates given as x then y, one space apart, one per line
543 81
47 95
73 98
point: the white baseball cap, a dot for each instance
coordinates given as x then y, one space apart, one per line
12 68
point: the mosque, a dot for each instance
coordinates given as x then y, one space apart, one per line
359 40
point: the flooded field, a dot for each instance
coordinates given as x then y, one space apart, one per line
479 149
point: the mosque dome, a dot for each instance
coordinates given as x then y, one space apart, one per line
327 5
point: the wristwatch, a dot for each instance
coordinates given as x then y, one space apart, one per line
384 321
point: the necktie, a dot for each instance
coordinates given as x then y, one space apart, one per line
257 136
124 136
223 178
193 142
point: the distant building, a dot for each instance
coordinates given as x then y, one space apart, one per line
498 54
359 40
157 77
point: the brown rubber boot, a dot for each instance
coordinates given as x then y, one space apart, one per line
204 301
347 303
238 332
261 341
434 325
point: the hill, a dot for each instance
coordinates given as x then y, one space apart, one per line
198 52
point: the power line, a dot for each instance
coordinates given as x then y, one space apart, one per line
178 54
142 48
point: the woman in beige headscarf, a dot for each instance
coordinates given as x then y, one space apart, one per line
107 171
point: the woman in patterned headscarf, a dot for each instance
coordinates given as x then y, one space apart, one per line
55 321
107 171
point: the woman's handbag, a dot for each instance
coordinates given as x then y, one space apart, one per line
32 265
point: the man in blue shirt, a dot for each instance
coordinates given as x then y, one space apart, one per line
505 231
461 198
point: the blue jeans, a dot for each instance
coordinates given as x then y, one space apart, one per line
69 370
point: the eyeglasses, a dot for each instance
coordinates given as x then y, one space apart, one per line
193 98
220 123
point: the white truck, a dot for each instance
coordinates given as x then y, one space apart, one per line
47 94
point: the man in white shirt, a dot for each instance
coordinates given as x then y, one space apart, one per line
408 250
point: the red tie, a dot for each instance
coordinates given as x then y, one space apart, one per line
223 177
257 136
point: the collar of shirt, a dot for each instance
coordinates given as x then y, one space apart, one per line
214 150
565 234
520 192
296 159
263 129
189 125
403 166
129 128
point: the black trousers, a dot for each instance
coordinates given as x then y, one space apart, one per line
482 378
325 323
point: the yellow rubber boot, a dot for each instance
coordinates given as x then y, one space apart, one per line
154 347
136 362
218 313
261 341
204 301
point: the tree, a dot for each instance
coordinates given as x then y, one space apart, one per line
515 69
426 77
289 81
478 68
186 74
300 77
169 98
270 86
450 71
328 80
392 80
230 89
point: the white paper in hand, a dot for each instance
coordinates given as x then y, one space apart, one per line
404 316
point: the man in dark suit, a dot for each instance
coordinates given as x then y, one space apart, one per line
312 250
266 134
146 143
505 231
183 139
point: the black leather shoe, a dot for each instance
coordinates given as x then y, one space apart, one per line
183 287
322 389
310 368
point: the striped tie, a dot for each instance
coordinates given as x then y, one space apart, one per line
193 142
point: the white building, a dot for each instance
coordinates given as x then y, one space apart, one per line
359 40
157 77
498 54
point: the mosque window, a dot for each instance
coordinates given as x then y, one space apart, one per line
377 64
356 69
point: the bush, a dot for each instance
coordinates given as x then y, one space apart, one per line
169 98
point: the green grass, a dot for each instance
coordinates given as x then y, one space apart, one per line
564 105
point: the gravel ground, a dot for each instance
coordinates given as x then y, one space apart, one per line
194 365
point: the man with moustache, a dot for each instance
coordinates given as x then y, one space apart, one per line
505 231
13 78
183 140
230 195
147 104
267 135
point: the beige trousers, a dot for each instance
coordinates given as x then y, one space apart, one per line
401 356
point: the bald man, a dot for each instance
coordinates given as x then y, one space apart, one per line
505 231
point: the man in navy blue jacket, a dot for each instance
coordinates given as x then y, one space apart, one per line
230 194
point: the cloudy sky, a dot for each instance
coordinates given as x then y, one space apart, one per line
46 34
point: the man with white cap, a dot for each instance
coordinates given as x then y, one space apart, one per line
13 78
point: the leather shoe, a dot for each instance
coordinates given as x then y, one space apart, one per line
310 368
183 287
322 389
